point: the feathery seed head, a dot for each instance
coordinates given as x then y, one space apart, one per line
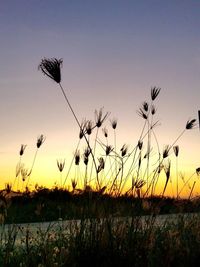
160 167
77 157
155 92
24 173
139 184
114 123
176 150
142 113
140 144
101 164
86 154
190 124
82 128
105 132
153 110
87 151
40 140
61 165
100 118
89 127
51 68
198 171
145 106
166 151
109 149
21 152
124 150
85 160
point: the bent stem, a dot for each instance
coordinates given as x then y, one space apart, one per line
34 159
71 163
186 183
65 96
94 149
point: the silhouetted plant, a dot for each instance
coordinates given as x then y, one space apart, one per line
176 152
51 68
18 167
61 165
40 140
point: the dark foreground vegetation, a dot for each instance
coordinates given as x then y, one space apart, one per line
54 204
111 231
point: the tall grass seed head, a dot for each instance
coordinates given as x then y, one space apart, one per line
138 184
40 140
142 113
114 123
100 117
145 106
160 167
140 144
82 128
87 151
21 152
89 127
166 151
86 154
51 68
190 124
108 149
155 92
24 173
124 150
61 165
176 150
153 110
198 171
101 164
77 157
105 132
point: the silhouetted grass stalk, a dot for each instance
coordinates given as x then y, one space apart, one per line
92 154
51 68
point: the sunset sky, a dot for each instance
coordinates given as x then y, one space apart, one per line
113 53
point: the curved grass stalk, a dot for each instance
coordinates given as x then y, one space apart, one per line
31 169
72 162
94 150
76 119
186 182
192 190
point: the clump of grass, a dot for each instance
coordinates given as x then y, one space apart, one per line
52 68
145 163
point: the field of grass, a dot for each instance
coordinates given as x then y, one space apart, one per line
109 193
101 237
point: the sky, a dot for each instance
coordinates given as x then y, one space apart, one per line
113 53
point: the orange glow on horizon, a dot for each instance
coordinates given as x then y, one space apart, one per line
48 175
